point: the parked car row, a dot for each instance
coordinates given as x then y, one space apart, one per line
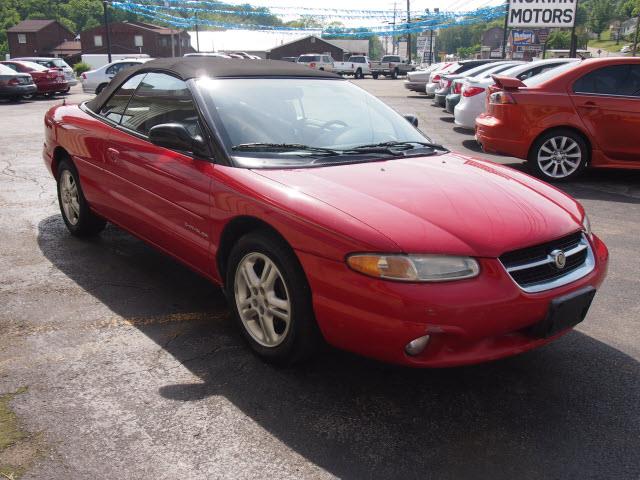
562 115
19 77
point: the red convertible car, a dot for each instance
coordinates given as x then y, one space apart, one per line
324 214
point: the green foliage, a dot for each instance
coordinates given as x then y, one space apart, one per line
376 49
559 40
600 14
81 67
468 52
629 8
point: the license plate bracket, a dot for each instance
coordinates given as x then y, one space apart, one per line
564 312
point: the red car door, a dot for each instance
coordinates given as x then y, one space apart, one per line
608 102
160 194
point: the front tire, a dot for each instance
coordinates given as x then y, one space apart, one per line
77 215
559 155
271 299
375 76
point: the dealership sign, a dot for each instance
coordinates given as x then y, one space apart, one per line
542 13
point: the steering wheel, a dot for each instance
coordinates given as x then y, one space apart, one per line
339 123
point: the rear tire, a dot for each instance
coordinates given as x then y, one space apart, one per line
395 74
77 215
101 87
270 299
559 155
359 73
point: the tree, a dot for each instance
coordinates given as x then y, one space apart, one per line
601 12
376 49
559 40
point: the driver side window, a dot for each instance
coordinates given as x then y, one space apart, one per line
161 98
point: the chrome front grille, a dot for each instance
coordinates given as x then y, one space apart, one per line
535 269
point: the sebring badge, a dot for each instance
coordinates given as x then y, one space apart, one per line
558 259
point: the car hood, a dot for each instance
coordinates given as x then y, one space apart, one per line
441 204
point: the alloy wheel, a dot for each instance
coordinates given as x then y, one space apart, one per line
559 157
69 197
262 299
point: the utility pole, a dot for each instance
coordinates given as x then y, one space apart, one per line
408 34
573 51
197 35
393 37
505 35
106 28
431 46
635 41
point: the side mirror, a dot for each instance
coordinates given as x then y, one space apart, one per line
412 119
176 137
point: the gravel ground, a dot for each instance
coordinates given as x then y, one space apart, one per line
133 369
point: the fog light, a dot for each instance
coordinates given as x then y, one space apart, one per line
415 347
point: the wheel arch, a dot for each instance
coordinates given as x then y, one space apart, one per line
571 128
59 154
233 231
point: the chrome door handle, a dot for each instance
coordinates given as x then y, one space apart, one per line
590 105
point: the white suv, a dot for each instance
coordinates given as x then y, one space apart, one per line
94 81
317 61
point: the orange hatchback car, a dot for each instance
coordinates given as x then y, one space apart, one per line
582 114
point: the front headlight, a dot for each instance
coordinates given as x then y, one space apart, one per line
414 268
586 225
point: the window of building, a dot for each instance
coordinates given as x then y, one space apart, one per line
22 38
164 42
97 40
137 40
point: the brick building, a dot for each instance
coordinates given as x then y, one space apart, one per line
36 38
136 37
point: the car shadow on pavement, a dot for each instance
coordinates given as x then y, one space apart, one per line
621 186
568 410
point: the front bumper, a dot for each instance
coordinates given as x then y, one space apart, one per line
469 321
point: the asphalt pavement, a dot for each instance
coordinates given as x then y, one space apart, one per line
133 369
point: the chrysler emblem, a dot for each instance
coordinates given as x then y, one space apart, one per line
558 259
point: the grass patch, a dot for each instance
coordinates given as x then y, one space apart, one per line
10 432
607 44
10 436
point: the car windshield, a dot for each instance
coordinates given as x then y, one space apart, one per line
549 74
302 118
308 58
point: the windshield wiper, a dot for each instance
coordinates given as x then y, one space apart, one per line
407 144
282 147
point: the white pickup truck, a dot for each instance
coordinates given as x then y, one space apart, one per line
391 66
356 65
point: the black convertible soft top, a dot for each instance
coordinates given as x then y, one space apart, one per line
214 67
